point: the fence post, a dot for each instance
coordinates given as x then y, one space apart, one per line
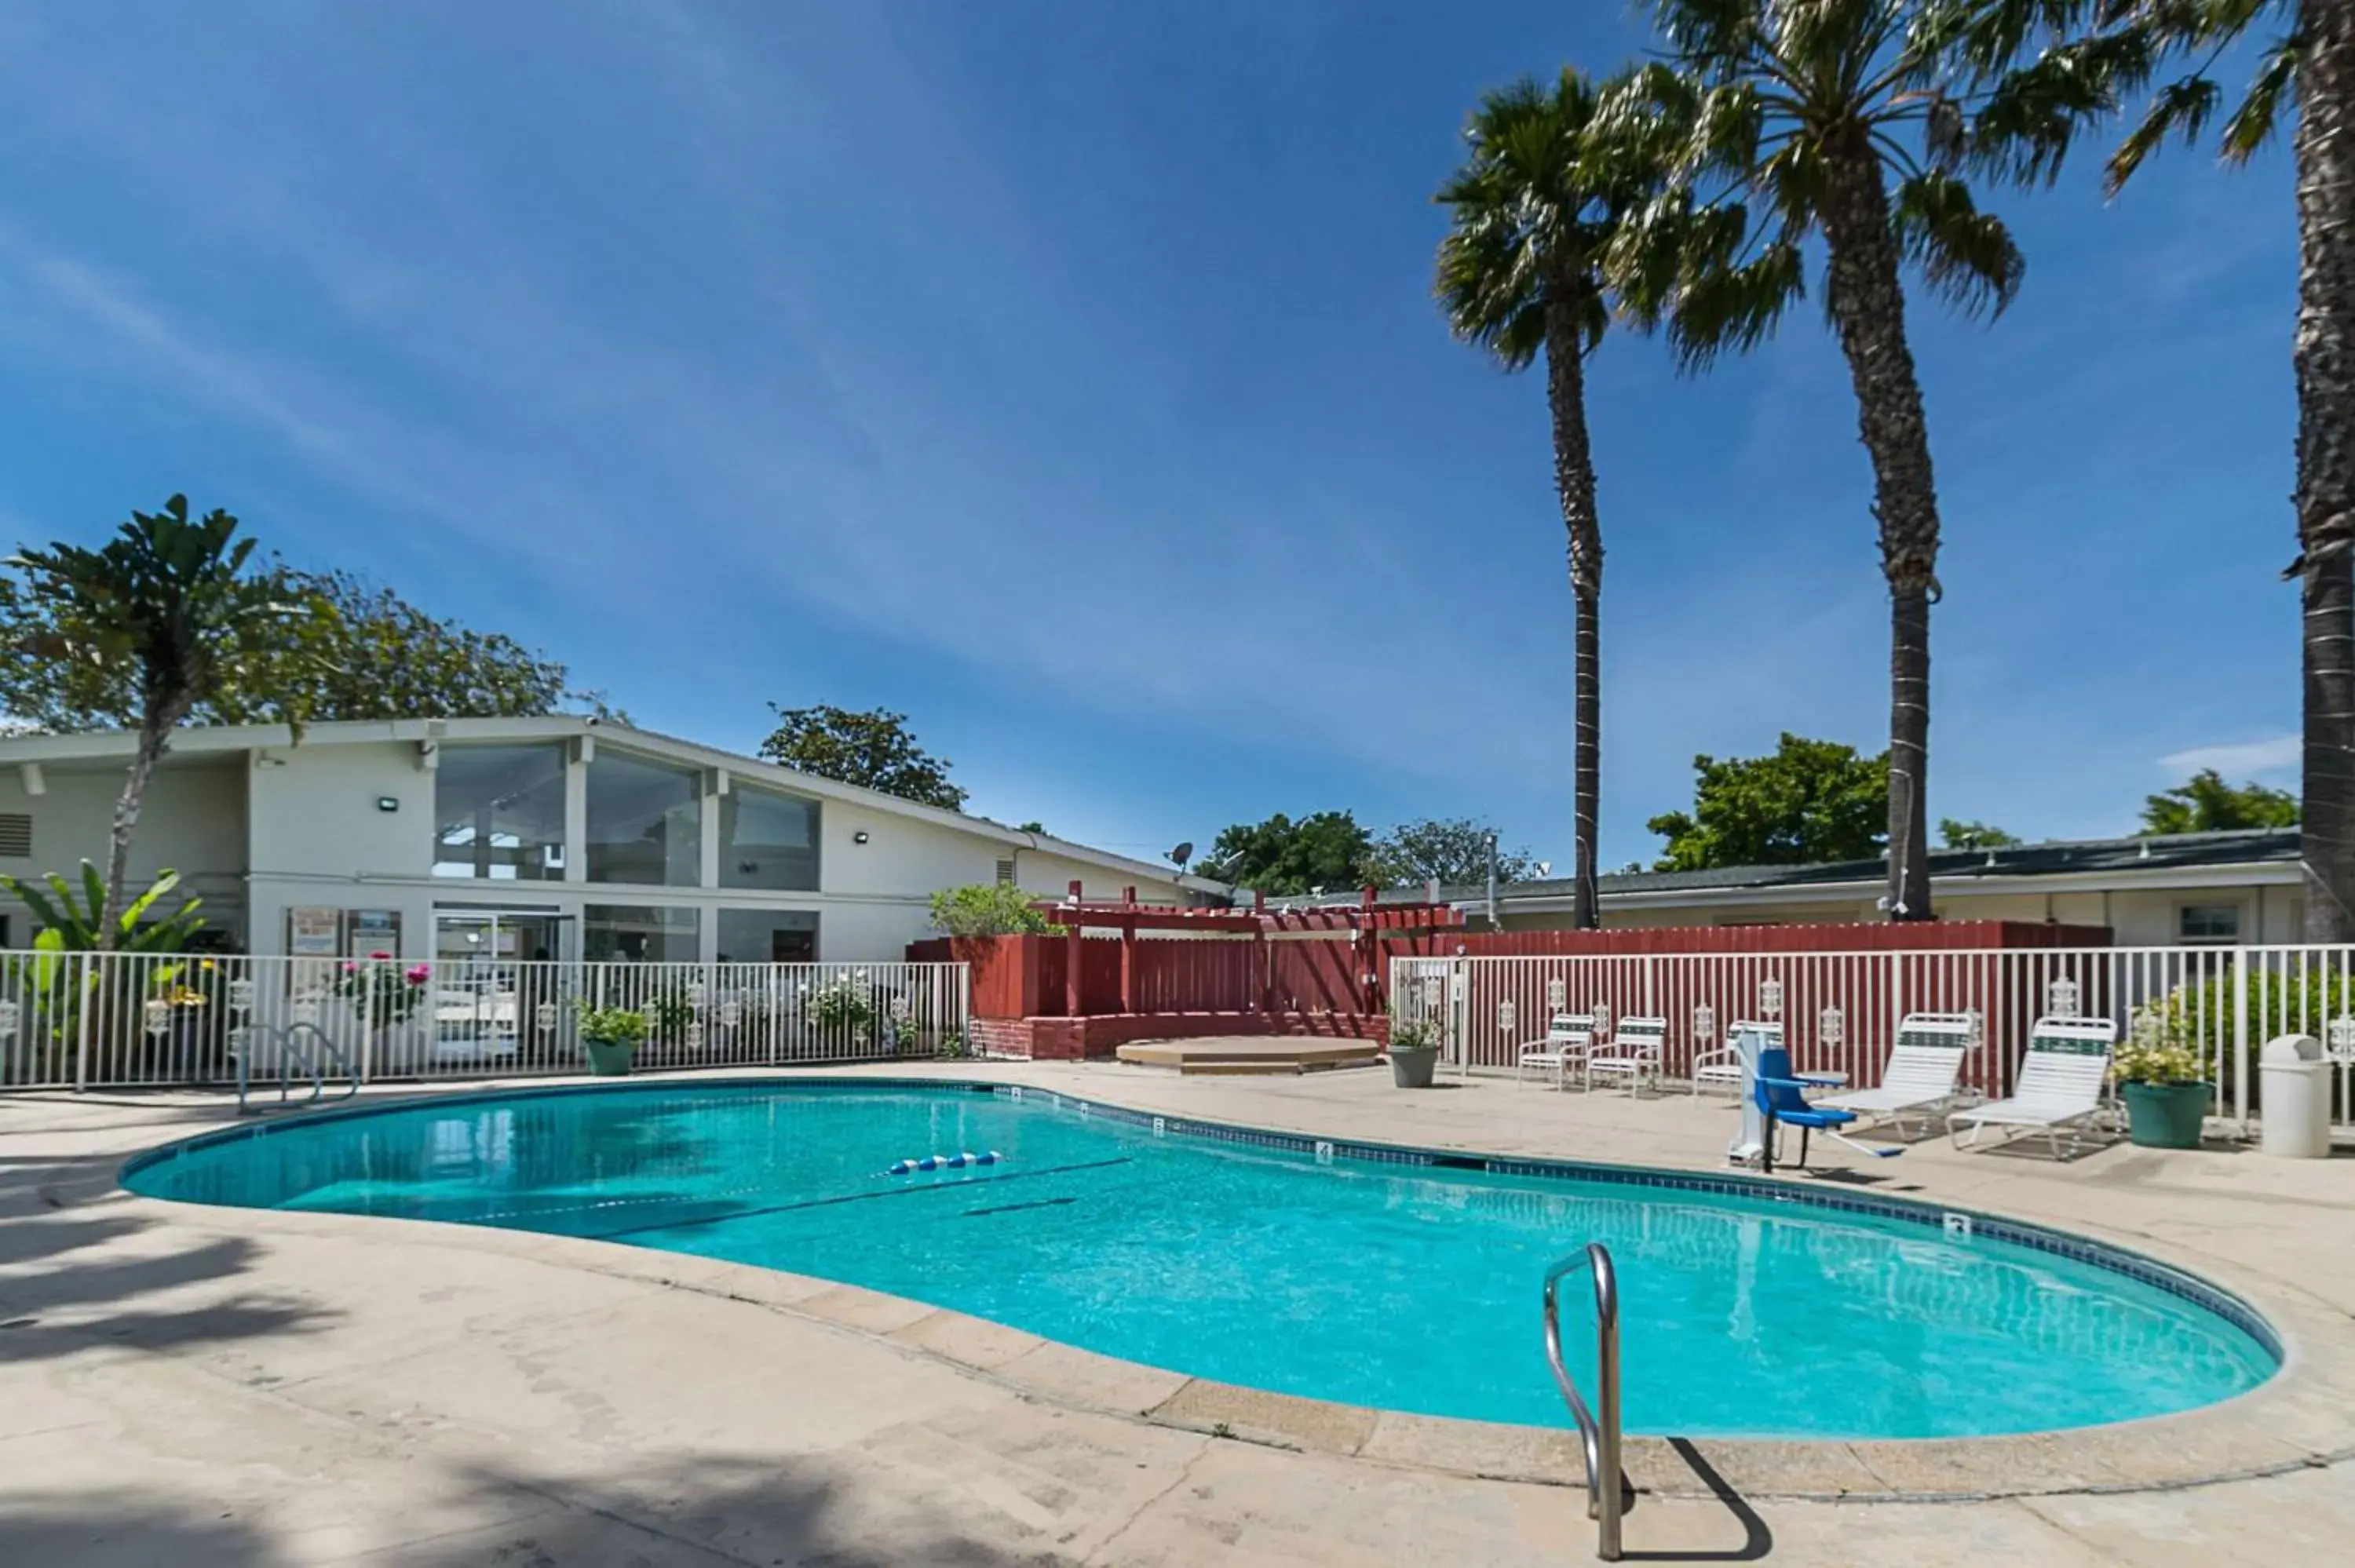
90 1002
2239 1040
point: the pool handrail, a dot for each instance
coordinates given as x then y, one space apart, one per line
293 1057
1598 1429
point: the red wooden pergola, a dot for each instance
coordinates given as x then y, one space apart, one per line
1362 924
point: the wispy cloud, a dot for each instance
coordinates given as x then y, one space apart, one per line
2238 759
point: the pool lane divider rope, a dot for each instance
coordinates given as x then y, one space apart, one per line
851 1198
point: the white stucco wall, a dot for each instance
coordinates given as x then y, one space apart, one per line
193 822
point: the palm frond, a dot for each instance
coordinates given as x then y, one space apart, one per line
2252 124
2028 122
1731 310
1966 255
2180 109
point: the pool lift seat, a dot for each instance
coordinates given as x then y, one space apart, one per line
1781 1097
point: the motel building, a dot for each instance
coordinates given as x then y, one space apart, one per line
520 839
2218 889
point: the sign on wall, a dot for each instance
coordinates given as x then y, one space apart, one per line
314 932
376 931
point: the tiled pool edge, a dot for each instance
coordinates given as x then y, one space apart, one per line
2228 1441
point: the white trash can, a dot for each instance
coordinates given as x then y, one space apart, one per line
2293 1106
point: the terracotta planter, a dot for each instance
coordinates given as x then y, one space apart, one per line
609 1060
2166 1116
1411 1068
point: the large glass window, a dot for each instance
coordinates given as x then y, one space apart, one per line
768 935
768 841
499 813
639 934
645 823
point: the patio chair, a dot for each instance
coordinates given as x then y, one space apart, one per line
1922 1071
1723 1065
2060 1086
1568 1037
1637 1047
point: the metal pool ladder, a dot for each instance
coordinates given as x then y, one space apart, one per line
294 1058
1598 1429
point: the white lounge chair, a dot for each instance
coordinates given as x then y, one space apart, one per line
1638 1048
1922 1069
2060 1086
1723 1065
1568 1037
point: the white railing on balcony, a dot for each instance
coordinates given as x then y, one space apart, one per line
1839 1010
109 1021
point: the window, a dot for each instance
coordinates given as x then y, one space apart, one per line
1006 874
15 836
2208 922
639 934
768 937
645 823
768 841
499 813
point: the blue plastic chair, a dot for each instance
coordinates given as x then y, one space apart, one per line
1781 1098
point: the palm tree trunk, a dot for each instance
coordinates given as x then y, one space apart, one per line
1574 478
2324 356
1867 303
154 735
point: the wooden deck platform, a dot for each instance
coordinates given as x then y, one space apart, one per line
1238 1055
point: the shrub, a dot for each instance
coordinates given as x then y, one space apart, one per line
988 909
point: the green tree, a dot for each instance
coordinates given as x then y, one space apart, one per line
1454 852
376 656
167 606
874 750
988 909
1973 835
1842 120
1327 850
1810 801
2305 66
2205 804
1543 190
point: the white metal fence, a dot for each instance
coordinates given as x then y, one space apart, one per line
106 1019
1839 1010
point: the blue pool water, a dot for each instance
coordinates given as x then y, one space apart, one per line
1374 1283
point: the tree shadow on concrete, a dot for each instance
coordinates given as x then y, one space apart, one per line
77 1274
783 1513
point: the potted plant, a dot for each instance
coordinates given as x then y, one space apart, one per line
2161 1080
610 1034
1414 1053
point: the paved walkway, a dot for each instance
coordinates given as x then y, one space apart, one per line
195 1386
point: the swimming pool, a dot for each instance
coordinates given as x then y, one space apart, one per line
1402 1279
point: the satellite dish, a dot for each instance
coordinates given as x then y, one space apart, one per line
1181 854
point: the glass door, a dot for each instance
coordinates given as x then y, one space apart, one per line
497 986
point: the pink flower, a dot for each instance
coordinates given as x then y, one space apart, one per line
380 956
416 973
350 967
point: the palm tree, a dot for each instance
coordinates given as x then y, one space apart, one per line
2116 46
167 601
1838 120
1532 210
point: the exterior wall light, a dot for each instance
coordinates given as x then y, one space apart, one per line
860 837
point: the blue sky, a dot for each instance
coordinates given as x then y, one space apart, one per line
1065 375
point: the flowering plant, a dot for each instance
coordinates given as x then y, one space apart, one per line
2155 1052
383 991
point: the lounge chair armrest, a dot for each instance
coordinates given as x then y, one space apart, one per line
1795 1083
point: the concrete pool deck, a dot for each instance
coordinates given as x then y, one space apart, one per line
209 1385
